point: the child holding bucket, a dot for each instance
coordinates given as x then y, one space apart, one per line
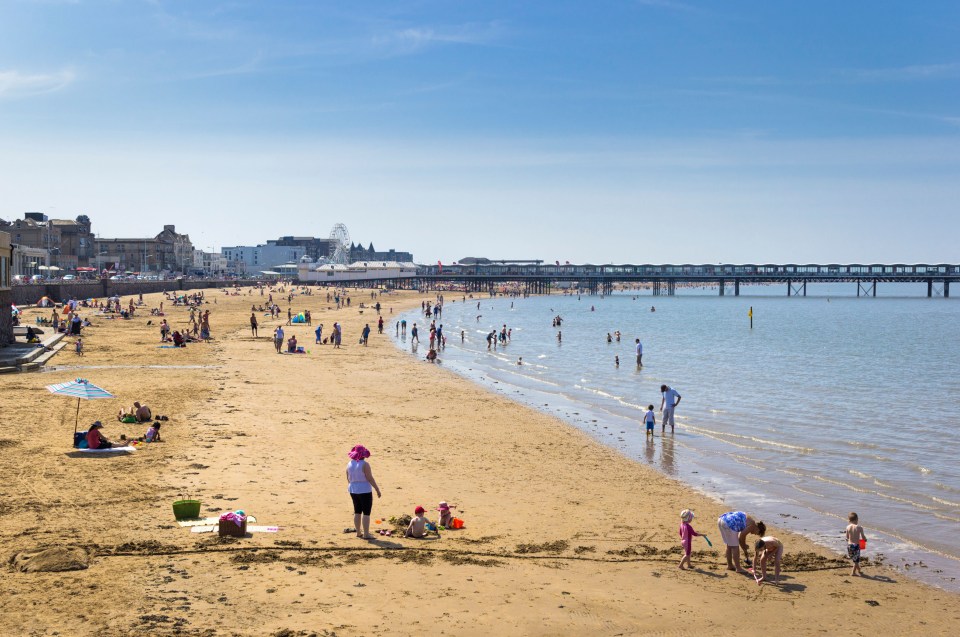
856 541
686 537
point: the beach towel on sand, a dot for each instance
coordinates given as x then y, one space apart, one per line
110 450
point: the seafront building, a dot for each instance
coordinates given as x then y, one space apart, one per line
27 260
6 294
67 243
168 251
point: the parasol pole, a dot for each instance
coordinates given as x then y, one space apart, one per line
76 422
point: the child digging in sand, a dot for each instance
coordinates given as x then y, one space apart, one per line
418 525
856 539
686 537
766 547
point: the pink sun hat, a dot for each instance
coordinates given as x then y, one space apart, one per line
443 506
359 452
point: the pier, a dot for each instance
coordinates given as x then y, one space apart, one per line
538 278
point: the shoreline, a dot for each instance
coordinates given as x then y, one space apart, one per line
694 457
269 434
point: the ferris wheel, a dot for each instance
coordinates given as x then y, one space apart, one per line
340 244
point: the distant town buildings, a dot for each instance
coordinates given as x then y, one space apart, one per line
359 253
56 247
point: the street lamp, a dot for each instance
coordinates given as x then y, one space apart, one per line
99 254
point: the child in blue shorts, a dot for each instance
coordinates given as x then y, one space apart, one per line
650 419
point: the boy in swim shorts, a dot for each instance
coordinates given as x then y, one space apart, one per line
650 419
854 534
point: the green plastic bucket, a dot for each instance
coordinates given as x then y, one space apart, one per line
186 509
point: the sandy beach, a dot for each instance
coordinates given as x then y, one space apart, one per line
563 536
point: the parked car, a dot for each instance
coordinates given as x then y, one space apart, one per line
69 277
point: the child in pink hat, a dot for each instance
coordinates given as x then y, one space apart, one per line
446 515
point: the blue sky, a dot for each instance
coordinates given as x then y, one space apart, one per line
643 131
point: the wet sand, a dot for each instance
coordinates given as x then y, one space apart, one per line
563 536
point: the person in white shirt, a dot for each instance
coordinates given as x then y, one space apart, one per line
639 353
671 398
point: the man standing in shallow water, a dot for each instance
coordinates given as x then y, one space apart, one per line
671 398
639 353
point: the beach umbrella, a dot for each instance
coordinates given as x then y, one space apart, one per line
82 389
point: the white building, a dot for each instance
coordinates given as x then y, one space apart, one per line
209 263
253 259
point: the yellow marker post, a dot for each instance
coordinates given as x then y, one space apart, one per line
750 314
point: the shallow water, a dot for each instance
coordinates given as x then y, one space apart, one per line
828 405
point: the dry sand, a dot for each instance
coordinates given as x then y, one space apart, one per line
563 536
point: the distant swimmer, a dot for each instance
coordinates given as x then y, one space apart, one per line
609 338
520 361
592 308
616 361
653 309
559 336
478 317
463 336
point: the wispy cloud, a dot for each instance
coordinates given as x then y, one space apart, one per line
413 39
906 73
14 84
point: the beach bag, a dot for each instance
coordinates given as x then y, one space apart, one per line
80 440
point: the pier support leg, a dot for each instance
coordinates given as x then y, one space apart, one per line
789 288
946 289
804 288
929 288
721 286
736 287
671 288
874 287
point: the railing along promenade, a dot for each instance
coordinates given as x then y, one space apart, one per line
664 279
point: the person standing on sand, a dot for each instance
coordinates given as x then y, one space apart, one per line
361 486
253 324
734 528
319 333
671 398
278 339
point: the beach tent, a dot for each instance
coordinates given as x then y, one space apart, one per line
82 389
45 302
299 318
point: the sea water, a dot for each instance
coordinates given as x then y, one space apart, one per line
827 405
